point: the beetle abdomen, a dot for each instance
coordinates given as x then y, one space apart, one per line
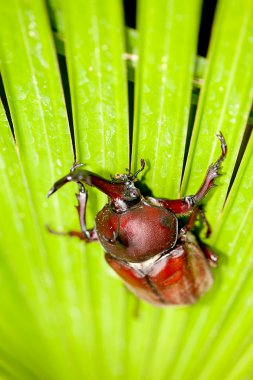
178 278
137 234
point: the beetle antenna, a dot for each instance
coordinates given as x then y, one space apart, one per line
140 170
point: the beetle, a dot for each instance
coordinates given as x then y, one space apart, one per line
150 242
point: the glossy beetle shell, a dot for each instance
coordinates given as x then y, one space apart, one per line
137 234
180 277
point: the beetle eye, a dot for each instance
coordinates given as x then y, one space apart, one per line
134 193
131 194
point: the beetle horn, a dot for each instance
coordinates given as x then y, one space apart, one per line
81 176
57 185
68 178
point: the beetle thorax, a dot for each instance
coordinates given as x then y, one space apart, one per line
138 233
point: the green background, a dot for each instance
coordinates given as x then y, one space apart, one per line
63 313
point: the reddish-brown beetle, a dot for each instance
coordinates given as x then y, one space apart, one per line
148 241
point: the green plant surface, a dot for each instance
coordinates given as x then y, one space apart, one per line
237 335
162 111
99 99
26 277
64 313
94 45
33 87
225 99
226 326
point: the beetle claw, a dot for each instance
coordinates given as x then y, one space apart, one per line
75 165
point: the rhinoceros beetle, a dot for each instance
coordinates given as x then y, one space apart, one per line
149 241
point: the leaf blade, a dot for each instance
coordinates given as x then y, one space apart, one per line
162 110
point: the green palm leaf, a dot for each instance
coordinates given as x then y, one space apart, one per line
64 314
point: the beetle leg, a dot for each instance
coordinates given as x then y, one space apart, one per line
212 173
198 211
72 233
187 204
85 234
205 221
209 254
82 197
189 225
192 219
66 233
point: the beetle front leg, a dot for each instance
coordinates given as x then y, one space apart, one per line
82 197
85 234
187 204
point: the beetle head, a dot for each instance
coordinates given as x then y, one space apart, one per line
120 190
131 195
